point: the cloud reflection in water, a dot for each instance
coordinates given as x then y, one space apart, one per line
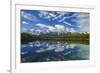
41 51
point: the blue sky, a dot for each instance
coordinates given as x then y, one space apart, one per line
54 21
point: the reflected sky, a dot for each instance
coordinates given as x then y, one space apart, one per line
43 51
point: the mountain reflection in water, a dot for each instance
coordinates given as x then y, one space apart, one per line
43 51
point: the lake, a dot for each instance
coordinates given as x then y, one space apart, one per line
45 51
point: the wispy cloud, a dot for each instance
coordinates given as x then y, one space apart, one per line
47 15
59 16
67 23
29 16
44 26
24 22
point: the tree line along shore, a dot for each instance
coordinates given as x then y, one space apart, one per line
27 37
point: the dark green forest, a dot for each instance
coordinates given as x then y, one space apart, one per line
27 37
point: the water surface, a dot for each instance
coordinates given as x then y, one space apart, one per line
43 51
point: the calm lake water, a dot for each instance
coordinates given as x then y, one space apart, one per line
43 51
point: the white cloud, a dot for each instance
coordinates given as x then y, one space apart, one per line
24 22
44 14
45 26
59 28
48 15
28 16
41 25
64 18
52 14
61 15
67 23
